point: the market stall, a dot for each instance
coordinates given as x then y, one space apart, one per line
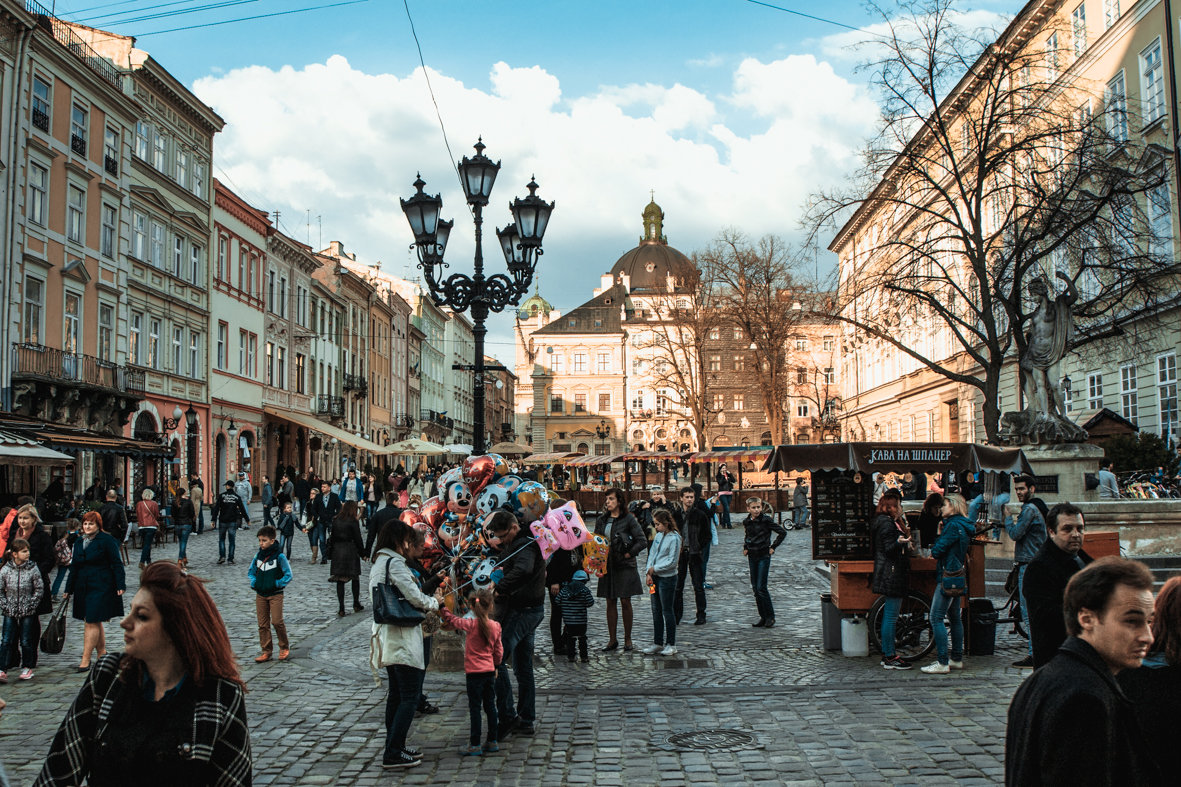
778 500
843 507
642 458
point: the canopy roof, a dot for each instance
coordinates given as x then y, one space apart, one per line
757 453
18 449
414 446
898 457
594 461
309 421
655 455
550 457
510 449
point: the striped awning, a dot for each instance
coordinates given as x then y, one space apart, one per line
593 461
740 454
655 455
551 458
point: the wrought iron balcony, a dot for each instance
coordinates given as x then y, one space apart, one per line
432 417
111 165
36 361
404 421
78 144
332 406
40 119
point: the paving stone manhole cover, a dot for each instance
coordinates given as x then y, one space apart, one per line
710 740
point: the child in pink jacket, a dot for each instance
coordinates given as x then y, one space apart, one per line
482 653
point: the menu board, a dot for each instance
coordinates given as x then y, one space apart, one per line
842 508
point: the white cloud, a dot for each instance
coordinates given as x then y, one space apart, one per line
861 45
346 144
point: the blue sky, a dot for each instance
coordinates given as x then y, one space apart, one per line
731 111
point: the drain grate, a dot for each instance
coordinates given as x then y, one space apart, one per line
711 740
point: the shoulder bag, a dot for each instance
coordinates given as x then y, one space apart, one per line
391 607
954 582
53 639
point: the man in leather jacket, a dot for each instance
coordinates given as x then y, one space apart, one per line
227 511
323 510
1060 558
693 522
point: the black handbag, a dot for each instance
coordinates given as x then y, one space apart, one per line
53 639
391 607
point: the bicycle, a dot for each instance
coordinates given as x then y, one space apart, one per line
913 635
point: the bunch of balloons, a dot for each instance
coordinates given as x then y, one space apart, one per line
453 522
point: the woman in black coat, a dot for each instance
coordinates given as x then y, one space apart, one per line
97 583
622 580
891 569
28 526
346 549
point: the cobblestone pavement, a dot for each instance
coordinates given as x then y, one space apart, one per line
796 714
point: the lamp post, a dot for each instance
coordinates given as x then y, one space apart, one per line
479 295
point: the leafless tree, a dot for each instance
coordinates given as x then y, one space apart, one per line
755 288
994 165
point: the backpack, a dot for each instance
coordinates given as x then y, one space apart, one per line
63 551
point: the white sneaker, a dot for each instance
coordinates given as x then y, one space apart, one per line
955 664
669 650
651 650
26 674
935 668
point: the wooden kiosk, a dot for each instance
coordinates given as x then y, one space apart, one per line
843 508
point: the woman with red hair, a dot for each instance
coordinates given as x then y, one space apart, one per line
1155 688
96 582
170 709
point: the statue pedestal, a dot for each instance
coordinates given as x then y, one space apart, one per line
1061 469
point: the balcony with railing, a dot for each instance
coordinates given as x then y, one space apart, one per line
78 144
111 165
332 406
357 383
436 418
34 361
65 35
404 421
40 119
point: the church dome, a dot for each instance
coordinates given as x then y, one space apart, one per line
649 265
533 306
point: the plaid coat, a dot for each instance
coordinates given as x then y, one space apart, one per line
220 734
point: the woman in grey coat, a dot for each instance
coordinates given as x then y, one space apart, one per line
346 549
625 538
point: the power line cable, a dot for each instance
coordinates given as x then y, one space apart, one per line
248 18
164 14
814 18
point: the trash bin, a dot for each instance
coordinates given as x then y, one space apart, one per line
982 627
830 623
854 637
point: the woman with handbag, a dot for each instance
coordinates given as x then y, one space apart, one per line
170 709
345 548
950 551
397 645
622 579
891 569
184 517
97 583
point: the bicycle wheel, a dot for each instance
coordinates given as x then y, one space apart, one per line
913 637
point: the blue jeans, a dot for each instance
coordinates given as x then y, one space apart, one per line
481 693
22 633
400 704
1024 606
147 534
318 536
947 607
57 580
285 544
225 529
200 518
890 610
705 557
664 616
725 501
799 517
760 567
182 539
266 516
516 634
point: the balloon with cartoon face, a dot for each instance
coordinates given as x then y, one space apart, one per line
458 497
448 530
478 472
449 477
482 573
594 556
545 539
510 482
499 466
493 498
530 502
567 525
432 511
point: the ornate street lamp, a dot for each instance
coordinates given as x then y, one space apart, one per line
520 242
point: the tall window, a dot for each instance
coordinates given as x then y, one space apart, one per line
135 346
662 398
106 332
604 402
281 368
34 307
1129 404
76 215
557 363
269 363
223 346
242 283
1117 108
803 409
579 363
1052 56
1166 393
580 403
739 401
719 402
271 291
199 178
1110 12
830 375
178 255
555 403
603 363
195 264
38 194
301 306
178 344
143 137
1078 29
638 400
715 363
71 320
739 363
41 104
160 150
195 355
139 236
111 150
829 343
153 359
156 253
283 298
300 365
1094 390
242 353
221 259
801 375
252 355
1160 218
79 123
106 241
182 167
1152 82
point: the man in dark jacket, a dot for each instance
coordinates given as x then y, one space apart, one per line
227 512
693 522
375 523
758 548
1069 722
114 517
1060 558
520 595
302 489
323 510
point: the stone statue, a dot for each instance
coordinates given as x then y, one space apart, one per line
1051 329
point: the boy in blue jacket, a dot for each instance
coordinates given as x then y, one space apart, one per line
574 598
269 574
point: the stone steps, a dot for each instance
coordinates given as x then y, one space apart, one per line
1162 566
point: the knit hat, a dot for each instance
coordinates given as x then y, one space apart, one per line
229 484
580 576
